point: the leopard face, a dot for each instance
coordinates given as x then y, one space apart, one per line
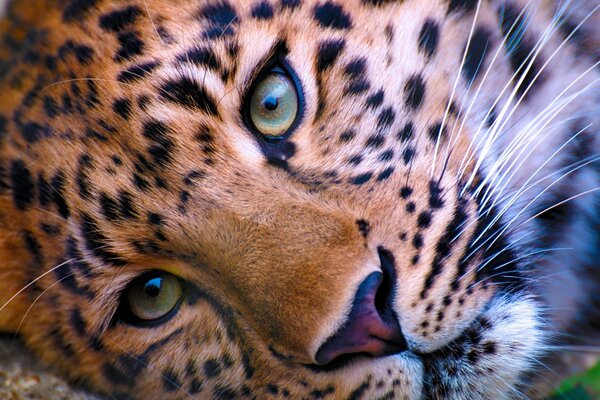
292 198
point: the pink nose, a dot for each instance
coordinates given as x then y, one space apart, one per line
371 328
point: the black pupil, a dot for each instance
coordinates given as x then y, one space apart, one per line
152 287
270 103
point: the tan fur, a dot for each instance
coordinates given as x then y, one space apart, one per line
277 256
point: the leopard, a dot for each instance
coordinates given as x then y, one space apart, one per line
303 199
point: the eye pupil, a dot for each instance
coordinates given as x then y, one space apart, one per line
152 287
271 103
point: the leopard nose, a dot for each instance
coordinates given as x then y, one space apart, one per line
371 327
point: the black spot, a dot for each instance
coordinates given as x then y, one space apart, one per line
3 127
130 46
262 10
385 174
332 15
361 179
375 141
414 91
81 178
386 117
357 87
408 154
355 159
328 52
224 393
58 184
170 380
77 9
363 227
380 2
155 219
359 392
202 57
461 5
476 54
347 136
108 207
126 205
436 132
406 133
406 192
376 99
49 229
290 3
118 20
44 190
212 368
83 54
50 107
188 93
428 38
386 156
436 199
32 132
221 17
424 219
162 146
140 182
21 183
417 241
356 68
137 72
519 47
77 322
122 107
34 248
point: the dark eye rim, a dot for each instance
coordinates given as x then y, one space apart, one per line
125 314
279 64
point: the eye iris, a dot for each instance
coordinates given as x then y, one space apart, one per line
274 104
150 298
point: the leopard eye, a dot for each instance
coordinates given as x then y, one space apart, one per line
273 104
153 296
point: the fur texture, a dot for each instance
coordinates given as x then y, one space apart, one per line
456 141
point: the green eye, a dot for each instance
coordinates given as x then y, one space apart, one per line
274 104
151 297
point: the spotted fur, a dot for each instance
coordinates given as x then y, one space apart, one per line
453 141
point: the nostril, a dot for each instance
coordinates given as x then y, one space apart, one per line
371 327
384 297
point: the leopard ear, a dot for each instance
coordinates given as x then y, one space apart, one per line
13 257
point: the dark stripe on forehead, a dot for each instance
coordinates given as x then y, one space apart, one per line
137 72
97 243
188 93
